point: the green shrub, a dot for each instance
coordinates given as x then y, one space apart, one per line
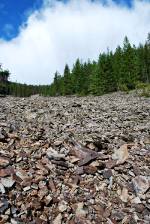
123 87
144 89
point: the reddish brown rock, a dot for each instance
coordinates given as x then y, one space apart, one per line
4 161
110 164
7 171
52 186
90 169
53 140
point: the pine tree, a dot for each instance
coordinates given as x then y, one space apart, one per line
129 66
117 66
147 59
56 88
87 73
77 73
67 81
106 80
93 80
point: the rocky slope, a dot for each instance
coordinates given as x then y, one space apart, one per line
75 160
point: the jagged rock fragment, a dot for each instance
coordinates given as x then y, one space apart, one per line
124 195
121 155
141 184
58 219
81 211
7 182
4 161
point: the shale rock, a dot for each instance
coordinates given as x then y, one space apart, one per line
75 160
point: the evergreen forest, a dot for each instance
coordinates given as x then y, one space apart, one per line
124 69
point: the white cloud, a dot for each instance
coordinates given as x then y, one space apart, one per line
59 33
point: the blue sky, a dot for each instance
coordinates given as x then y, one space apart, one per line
38 38
13 13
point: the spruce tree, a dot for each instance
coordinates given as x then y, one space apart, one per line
67 81
77 73
129 66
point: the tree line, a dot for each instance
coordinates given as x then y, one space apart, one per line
124 69
18 89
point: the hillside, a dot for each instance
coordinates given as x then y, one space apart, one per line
75 159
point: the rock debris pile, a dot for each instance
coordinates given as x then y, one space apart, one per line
75 160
